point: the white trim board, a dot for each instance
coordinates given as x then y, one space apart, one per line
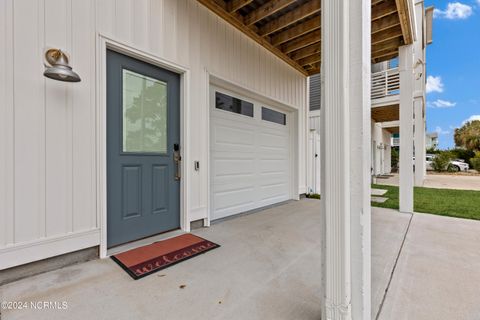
104 43
22 253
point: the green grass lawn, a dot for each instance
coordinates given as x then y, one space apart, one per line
446 202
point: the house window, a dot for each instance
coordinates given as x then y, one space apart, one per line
274 116
228 103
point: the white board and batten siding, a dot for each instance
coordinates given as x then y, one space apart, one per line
48 186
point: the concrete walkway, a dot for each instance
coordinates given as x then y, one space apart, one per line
441 181
269 267
438 271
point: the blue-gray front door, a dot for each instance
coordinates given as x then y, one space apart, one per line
143 132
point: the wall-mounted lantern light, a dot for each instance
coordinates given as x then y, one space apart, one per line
58 68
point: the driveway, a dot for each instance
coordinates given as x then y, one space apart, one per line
269 267
441 181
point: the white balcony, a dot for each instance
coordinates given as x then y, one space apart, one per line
385 83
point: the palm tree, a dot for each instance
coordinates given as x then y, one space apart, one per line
468 136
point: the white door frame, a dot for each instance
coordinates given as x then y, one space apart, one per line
105 42
292 115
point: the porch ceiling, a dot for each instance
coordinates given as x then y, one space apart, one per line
291 28
393 130
386 114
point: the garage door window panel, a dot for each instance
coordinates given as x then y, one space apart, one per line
274 116
232 104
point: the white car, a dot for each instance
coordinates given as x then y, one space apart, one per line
455 165
459 165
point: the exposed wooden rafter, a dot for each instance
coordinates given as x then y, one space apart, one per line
305 52
383 9
223 13
302 12
301 42
404 10
290 29
385 23
235 5
297 31
266 10
309 60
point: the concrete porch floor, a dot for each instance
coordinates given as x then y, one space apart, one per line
269 268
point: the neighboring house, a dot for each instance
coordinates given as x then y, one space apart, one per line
385 97
395 142
431 140
192 111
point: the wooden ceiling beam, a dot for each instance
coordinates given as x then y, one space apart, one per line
387 35
297 31
301 42
405 19
314 70
221 12
302 12
305 52
383 9
384 55
269 8
385 23
309 60
388 45
236 5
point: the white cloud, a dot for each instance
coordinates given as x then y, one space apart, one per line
434 84
439 103
454 11
440 131
472 118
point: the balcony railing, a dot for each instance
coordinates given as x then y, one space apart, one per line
395 142
385 83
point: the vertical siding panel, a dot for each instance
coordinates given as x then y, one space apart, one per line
141 23
123 20
156 27
6 124
170 29
257 68
83 108
29 122
105 16
57 125
197 57
183 40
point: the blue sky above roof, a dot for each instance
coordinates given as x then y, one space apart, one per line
453 67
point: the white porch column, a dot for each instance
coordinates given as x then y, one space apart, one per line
419 141
405 65
346 159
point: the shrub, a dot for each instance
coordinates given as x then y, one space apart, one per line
475 162
459 153
433 151
313 196
441 161
394 159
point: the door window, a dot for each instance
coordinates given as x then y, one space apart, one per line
144 113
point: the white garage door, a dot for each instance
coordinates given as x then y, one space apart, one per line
249 154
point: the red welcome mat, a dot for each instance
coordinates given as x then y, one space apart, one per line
141 262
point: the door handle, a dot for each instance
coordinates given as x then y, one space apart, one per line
177 158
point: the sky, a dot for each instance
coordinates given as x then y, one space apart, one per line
453 67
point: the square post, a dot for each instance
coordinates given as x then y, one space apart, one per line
346 159
419 140
405 66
